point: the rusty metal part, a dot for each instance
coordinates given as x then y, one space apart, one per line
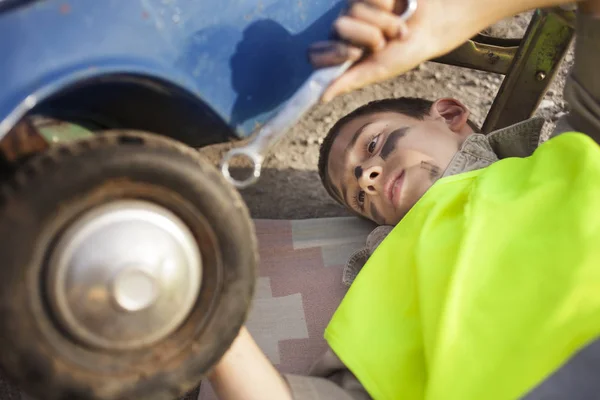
22 140
543 48
487 57
35 134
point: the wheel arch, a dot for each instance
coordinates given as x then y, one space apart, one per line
126 99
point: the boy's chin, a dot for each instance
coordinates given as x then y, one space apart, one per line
395 220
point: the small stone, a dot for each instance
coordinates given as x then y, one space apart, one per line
546 104
569 58
550 92
328 119
540 76
437 76
560 114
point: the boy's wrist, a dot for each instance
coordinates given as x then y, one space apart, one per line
238 349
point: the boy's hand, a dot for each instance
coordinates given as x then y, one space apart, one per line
372 28
390 46
368 25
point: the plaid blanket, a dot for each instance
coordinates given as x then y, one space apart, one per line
298 289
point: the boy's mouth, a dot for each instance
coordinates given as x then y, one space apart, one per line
393 188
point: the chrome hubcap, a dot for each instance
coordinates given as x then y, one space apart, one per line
124 275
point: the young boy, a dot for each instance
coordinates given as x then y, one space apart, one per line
381 158
488 287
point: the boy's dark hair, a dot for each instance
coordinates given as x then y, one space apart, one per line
410 106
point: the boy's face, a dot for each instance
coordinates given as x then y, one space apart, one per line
381 164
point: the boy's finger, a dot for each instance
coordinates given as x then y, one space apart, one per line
359 33
391 25
329 53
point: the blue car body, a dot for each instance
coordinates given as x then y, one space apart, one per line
200 71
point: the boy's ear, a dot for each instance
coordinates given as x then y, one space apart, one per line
453 112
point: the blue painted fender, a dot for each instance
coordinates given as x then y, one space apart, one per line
241 59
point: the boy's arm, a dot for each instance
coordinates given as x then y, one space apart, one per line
244 373
436 28
582 90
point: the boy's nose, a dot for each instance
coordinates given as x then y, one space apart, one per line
370 179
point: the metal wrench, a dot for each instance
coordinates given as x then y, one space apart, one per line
301 101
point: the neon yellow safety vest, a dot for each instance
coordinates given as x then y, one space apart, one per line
487 286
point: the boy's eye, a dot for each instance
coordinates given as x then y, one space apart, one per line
372 144
361 197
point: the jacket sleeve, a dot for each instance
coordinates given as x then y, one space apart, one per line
582 90
329 379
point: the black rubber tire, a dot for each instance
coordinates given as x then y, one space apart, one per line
52 189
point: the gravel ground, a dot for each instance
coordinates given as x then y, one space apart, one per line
290 188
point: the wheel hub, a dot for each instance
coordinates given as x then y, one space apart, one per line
134 289
124 275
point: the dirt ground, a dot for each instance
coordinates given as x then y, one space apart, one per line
290 188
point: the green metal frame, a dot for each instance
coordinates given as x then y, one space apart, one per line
529 64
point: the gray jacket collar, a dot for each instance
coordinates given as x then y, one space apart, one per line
478 151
